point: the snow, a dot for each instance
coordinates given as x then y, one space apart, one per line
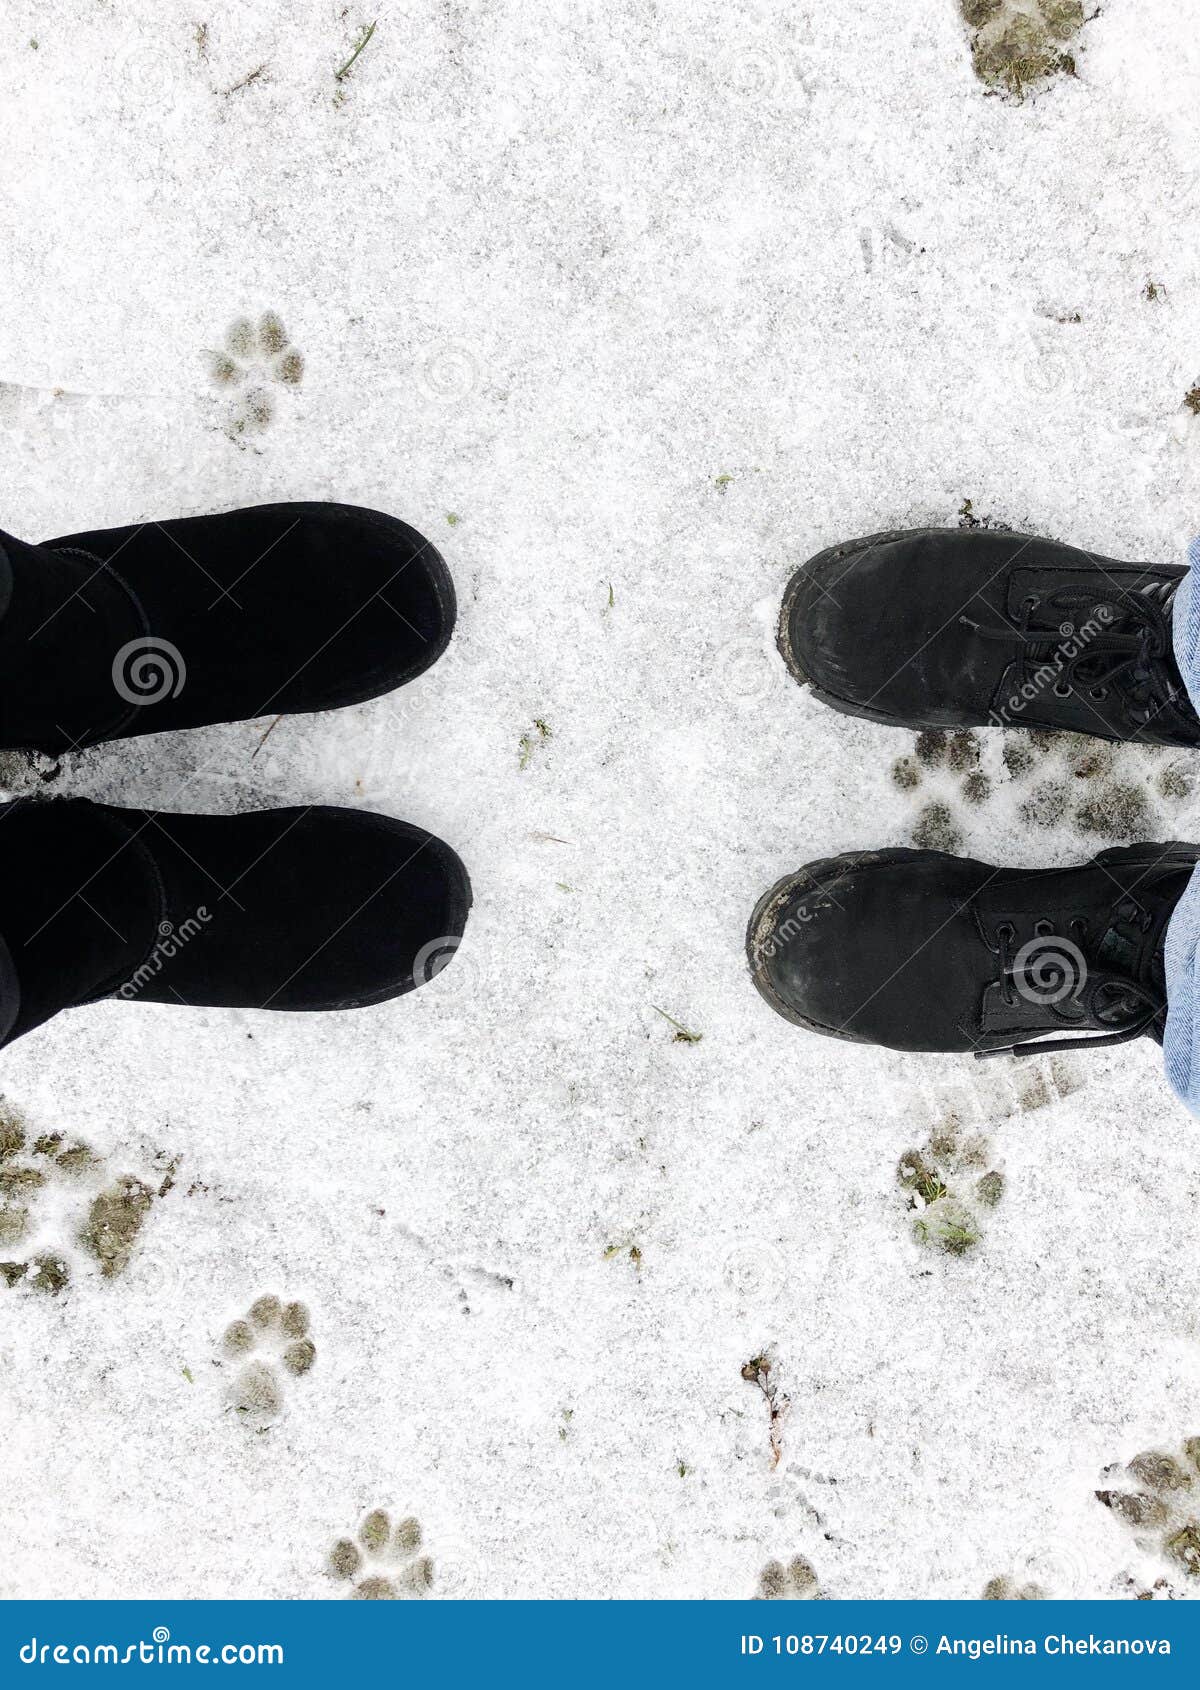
660 301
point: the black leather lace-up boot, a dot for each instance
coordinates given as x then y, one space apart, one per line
918 950
954 628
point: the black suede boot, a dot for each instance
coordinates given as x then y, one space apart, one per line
273 610
300 909
918 950
939 628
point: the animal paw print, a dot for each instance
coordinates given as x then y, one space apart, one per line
1093 790
385 1564
254 355
1016 43
948 1185
795 1582
1115 793
273 1336
43 1177
939 754
1005 1589
1162 1510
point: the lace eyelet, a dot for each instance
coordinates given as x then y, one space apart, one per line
1061 691
1098 693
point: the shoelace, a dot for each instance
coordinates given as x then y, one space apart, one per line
1122 991
1133 658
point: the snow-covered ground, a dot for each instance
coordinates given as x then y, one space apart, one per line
630 309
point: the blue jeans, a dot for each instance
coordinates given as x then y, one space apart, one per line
1181 1042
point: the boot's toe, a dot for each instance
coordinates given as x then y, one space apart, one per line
315 909
271 610
862 947
387 908
389 605
844 618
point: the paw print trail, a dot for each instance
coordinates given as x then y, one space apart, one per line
1096 792
48 1180
1157 1496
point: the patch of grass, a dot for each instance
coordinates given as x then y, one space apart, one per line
951 1228
258 74
51 1274
343 73
528 743
683 1035
113 1223
631 1251
1015 46
758 1371
941 1220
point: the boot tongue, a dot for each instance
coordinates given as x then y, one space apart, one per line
1133 943
79 907
64 621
